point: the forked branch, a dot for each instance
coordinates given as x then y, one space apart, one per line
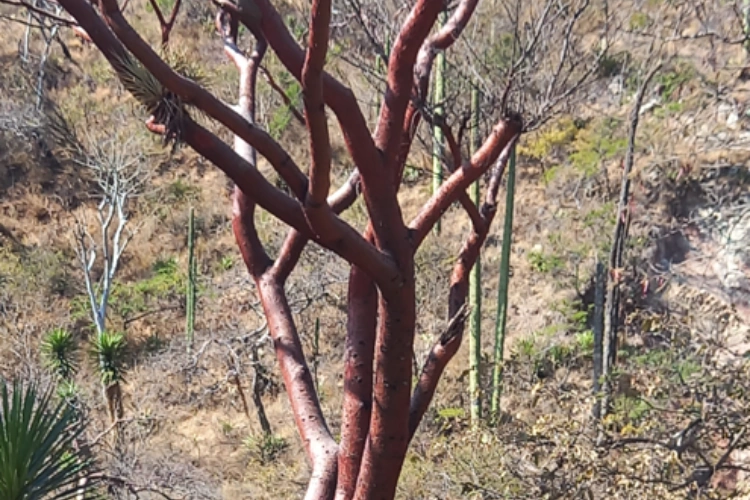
448 343
502 134
167 24
319 443
351 246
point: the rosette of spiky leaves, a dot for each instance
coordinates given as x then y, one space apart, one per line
165 107
37 454
58 350
60 131
108 352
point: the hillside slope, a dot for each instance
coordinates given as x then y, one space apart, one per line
187 432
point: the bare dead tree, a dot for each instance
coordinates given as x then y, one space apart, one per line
119 170
380 412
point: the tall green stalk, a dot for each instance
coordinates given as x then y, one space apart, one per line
475 289
502 293
438 141
190 294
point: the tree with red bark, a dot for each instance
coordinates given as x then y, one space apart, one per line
381 410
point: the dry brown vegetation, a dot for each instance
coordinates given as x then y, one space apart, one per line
186 432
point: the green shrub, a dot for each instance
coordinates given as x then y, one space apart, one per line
594 145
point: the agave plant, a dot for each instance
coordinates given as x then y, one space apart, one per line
58 349
37 456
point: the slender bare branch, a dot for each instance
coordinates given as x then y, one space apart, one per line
317 210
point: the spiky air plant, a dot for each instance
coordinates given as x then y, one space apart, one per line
38 458
58 350
166 109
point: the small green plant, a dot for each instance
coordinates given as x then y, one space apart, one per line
226 263
639 21
58 350
630 409
558 354
686 368
605 213
542 144
526 347
282 116
654 358
68 390
550 174
164 5
585 342
545 263
165 282
671 81
266 448
108 352
180 190
501 54
451 413
226 428
596 144
449 419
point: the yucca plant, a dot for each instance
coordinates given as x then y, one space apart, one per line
108 352
58 350
37 456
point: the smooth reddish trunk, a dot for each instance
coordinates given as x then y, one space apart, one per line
360 342
380 411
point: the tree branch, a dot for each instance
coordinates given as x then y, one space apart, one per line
351 246
285 98
449 342
401 68
442 40
316 207
463 198
378 192
319 443
501 137
194 94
